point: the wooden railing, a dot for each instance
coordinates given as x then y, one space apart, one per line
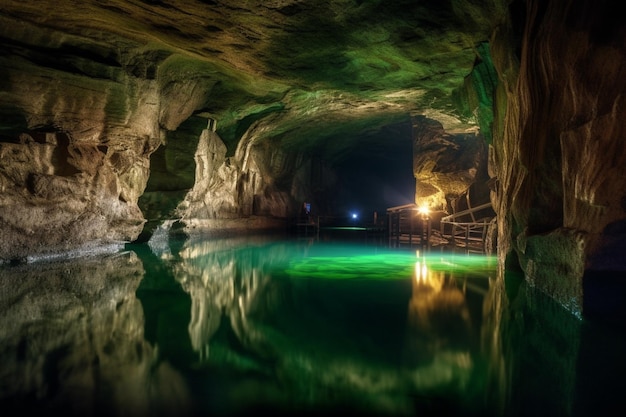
464 230
405 227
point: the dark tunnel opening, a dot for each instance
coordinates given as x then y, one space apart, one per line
377 173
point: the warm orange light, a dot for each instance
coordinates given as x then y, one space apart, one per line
423 210
421 272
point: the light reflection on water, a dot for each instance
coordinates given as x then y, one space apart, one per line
241 325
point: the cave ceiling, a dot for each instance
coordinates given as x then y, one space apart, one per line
305 73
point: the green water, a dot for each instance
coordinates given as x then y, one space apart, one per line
260 325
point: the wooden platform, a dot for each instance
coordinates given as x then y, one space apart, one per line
405 227
469 228
466 230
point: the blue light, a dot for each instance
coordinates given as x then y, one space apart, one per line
355 216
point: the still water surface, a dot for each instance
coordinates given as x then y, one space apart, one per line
253 325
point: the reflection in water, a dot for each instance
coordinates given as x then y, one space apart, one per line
323 326
235 326
437 310
72 341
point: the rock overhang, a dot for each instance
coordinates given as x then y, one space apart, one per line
306 63
292 86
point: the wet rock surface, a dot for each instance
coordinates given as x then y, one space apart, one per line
99 100
282 82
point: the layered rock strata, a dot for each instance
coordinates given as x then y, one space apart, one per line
446 166
559 158
87 101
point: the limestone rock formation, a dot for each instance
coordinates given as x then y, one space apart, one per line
97 100
62 195
559 160
99 105
446 166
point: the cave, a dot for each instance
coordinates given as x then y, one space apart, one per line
121 121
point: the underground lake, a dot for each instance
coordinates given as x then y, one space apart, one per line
282 325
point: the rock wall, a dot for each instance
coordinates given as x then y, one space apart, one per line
59 195
198 186
559 158
260 187
79 121
445 166
82 116
85 102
